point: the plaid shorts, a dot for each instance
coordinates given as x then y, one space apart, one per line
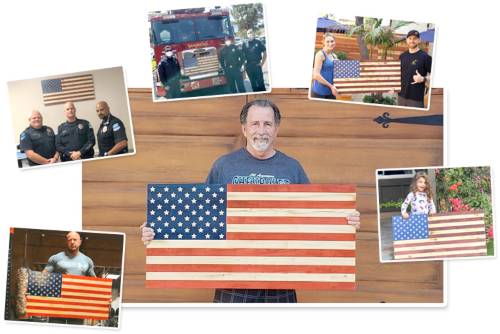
254 296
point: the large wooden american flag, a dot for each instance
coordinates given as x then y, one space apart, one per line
251 236
443 235
74 88
354 76
66 296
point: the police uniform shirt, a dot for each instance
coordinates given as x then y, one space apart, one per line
168 68
231 57
410 63
41 141
111 132
253 50
75 136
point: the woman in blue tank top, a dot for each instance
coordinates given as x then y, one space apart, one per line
323 86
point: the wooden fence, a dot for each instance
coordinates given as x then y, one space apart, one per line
350 46
335 142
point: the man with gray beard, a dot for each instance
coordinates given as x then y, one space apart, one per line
256 163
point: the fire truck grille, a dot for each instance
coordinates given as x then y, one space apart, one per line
204 64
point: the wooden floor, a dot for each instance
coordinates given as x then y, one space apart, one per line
335 142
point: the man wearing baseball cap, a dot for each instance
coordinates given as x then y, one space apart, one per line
415 72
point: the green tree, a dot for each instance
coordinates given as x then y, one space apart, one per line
249 16
372 34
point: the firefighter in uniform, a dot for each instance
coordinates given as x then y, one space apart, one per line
232 60
255 55
111 136
38 141
75 138
170 74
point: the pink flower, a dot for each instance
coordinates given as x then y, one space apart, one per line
490 232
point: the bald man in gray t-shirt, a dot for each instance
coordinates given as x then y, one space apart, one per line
71 261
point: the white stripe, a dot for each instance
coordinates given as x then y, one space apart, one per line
415 248
273 260
85 288
290 196
380 68
258 244
437 254
66 293
458 230
228 276
84 281
473 237
290 228
255 212
451 217
366 84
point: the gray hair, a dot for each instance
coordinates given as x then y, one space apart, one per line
260 103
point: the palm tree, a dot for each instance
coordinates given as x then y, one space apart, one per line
371 33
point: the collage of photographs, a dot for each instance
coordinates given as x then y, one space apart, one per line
210 185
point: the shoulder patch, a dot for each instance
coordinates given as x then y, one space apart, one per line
23 135
116 127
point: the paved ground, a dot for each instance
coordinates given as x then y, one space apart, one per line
386 234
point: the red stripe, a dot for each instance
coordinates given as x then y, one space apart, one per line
423 251
436 243
446 228
250 285
249 268
457 220
57 301
249 252
263 204
49 308
291 236
45 314
99 279
439 257
321 188
287 220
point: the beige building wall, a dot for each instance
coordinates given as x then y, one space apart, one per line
109 85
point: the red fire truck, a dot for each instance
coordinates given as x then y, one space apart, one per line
196 36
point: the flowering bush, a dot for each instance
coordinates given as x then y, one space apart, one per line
465 189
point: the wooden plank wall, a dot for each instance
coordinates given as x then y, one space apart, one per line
335 142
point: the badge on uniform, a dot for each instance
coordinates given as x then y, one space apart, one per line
23 135
49 131
80 126
116 127
104 129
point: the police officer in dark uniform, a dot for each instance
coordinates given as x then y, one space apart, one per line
111 136
38 141
170 74
232 60
75 138
255 55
